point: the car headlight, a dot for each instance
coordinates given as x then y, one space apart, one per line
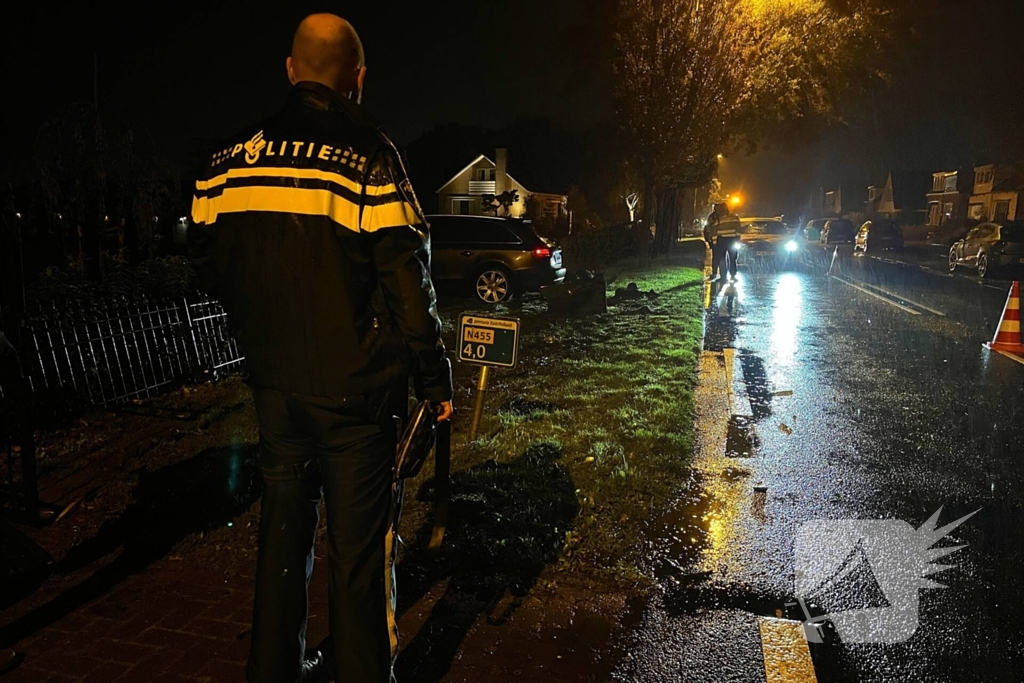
739 245
792 246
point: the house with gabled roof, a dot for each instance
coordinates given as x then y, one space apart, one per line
947 202
482 177
998 193
903 198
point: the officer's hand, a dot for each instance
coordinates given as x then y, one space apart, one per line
446 412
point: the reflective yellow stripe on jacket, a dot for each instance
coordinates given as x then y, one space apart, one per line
303 191
727 227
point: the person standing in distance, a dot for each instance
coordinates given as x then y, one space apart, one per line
307 229
722 233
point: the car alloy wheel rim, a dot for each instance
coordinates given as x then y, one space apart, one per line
952 261
492 287
982 265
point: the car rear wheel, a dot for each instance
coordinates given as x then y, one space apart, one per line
983 267
493 285
952 259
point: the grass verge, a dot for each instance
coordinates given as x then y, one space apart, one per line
579 445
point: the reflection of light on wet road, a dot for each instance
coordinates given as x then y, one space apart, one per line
730 295
724 500
737 288
788 307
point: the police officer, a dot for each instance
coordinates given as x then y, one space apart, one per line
722 233
307 229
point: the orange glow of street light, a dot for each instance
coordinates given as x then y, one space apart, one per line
735 200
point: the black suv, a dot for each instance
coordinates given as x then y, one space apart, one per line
497 257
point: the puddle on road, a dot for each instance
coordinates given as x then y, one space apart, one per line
755 379
692 555
682 534
692 540
741 437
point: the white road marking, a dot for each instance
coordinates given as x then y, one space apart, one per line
877 296
787 659
903 298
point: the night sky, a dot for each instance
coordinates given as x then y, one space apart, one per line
183 73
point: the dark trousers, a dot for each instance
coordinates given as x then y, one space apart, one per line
724 246
341 450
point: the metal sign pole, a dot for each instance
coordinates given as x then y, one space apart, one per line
478 409
488 342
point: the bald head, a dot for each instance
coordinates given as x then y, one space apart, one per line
326 49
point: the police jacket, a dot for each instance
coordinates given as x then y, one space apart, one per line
307 229
721 227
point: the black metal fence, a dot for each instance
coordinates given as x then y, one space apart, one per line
125 349
75 356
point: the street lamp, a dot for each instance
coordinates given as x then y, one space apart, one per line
735 200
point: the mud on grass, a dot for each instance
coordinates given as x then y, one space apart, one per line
580 444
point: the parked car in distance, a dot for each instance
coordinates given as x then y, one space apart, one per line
838 231
767 237
879 233
763 230
764 234
989 247
812 230
494 257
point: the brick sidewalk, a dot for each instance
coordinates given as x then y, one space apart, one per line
177 622
154 627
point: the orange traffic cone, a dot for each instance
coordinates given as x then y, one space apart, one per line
1007 337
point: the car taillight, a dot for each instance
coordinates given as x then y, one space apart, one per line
541 252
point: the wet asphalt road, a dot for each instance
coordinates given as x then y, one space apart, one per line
892 416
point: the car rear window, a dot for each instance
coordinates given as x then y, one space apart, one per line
468 231
765 228
499 234
846 226
450 232
886 227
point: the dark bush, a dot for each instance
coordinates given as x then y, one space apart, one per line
598 249
159 278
